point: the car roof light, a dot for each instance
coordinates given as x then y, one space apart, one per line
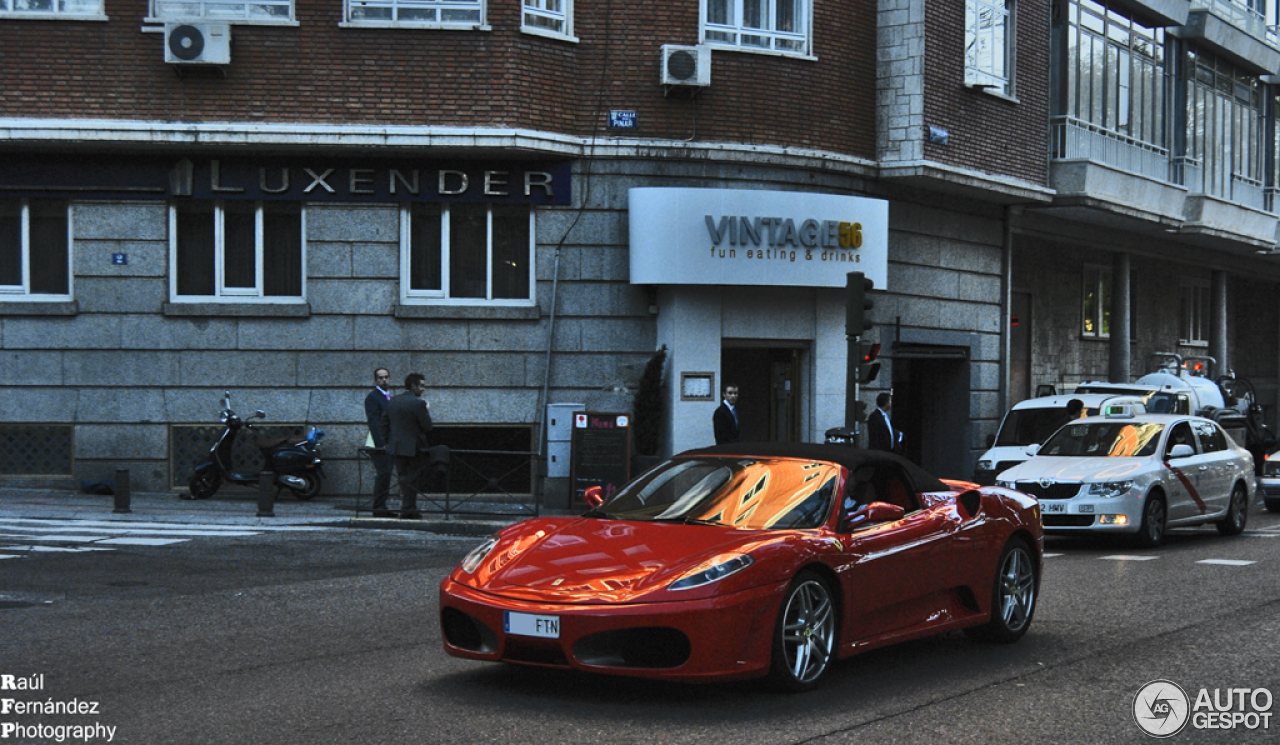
1119 411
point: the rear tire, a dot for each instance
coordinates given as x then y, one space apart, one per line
1237 513
312 489
804 640
1013 596
1154 521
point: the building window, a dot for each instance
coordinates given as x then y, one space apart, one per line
1224 130
35 249
774 25
466 254
237 250
1097 303
426 13
53 9
550 17
226 11
1193 312
988 44
1113 77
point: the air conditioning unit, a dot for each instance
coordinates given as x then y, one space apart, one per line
197 43
688 66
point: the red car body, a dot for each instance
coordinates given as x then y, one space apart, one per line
603 587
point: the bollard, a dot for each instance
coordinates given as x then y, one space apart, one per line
266 494
122 491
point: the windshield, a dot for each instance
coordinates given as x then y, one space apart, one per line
1028 426
740 492
1105 439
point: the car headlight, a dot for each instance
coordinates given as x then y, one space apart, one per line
713 571
1110 488
984 465
472 561
1271 467
1007 485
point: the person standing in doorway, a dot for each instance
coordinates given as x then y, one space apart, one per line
725 418
405 425
880 432
374 405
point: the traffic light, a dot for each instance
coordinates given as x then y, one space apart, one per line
857 303
868 367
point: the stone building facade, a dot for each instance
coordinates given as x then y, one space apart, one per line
487 127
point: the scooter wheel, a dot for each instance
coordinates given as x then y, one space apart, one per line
204 485
312 489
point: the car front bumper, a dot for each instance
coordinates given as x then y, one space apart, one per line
1092 514
717 638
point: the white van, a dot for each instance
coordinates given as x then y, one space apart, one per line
1031 422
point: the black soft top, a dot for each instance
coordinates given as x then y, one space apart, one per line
844 455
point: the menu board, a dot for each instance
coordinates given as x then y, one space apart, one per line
601 453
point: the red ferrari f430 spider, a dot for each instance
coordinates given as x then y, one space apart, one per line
744 561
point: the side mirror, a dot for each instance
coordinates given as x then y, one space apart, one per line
1181 451
594 496
1033 448
876 512
259 414
226 400
991 441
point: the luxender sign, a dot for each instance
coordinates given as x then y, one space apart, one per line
308 179
754 237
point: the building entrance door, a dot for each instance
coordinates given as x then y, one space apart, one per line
931 408
769 390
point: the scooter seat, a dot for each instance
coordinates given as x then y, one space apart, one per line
268 443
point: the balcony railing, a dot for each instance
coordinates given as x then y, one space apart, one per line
1237 14
1078 139
1188 172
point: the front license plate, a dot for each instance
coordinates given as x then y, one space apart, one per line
526 624
1053 507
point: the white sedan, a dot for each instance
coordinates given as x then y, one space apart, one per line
1138 474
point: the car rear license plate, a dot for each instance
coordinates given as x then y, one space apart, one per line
527 624
1053 507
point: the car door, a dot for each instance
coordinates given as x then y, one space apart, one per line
1187 474
895 572
1219 466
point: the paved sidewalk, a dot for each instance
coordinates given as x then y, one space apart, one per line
234 507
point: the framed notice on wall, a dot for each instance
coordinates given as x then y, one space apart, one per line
601 453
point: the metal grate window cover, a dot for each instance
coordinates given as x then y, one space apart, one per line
37 449
189 445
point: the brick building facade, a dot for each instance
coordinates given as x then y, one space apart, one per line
871 102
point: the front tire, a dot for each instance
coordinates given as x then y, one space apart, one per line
805 636
1154 521
1237 513
1013 596
312 488
204 484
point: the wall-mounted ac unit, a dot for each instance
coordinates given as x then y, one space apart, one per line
690 66
197 43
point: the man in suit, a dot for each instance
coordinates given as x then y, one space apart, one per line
374 404
725 419
405 425
880 432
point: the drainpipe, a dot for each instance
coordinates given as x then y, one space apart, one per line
1006 304
1121 324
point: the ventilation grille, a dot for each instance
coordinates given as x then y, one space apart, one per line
37 449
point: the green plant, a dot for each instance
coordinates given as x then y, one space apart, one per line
647 406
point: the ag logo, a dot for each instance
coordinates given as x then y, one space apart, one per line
1161 708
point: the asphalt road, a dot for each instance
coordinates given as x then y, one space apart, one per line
330 635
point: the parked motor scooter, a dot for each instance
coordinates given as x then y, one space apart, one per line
295 460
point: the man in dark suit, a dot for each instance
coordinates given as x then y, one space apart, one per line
374 404
725 419
880 432
405 425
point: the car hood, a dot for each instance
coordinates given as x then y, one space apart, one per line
1074 469
589 560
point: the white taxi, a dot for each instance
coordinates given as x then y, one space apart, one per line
1138 473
